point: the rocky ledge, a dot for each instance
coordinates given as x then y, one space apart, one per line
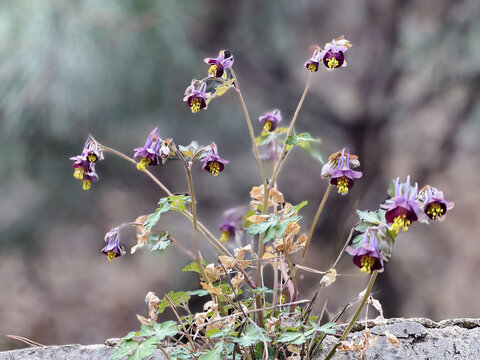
417 339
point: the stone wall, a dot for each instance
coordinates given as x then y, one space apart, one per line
418 339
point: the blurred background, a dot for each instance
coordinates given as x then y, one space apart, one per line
406 104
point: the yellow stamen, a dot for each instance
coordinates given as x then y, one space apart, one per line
367 262
214 168
111 255
92 158
332 63
267 126
78 173
225 236
86 184
400 223
312 67
143 163
342 185
213 70
434 210
282 299
196 105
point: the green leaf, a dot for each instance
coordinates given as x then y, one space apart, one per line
327 328
369 216
125 348
251 336
223 88
258 351
260 228
357 240
200 292
263 290
146 331
157 242
272 231
131 334
296 208
167 328
180 353
193 267
177 202
292 337
292 139
152 220
215 354
177 298
145 349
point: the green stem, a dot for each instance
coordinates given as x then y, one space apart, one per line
317 215
290 129
355 316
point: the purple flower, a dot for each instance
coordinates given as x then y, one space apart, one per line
114 248
219 64
230 227
213 163
334 53
196 97
402 209
149 152
270 120
339 171
330 167
84 168
367 256
434 204
312 64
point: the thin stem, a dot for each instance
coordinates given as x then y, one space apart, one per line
190 186
355 316
290 129
118 153
250 128
317 215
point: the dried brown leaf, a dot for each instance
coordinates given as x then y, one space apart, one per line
329 278
211 289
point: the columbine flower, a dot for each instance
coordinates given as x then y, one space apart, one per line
149 152
367 256
312 64
270 120
434 204
329 168
230 227
219 64
84 168
334 53
114 248
213 162
402 209
196 97
338 168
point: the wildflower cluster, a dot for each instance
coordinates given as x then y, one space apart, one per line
379 229
196 96
84 164
332 55
245 314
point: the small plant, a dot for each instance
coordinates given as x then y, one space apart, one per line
244 317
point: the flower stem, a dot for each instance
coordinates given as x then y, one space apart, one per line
355 316
317 215
290 129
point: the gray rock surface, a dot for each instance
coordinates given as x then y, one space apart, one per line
418 339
